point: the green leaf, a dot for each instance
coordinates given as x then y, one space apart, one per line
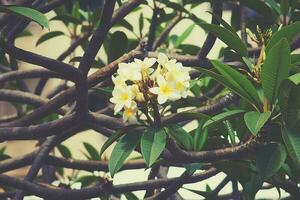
189 116
183 138
184 35
229 38
200 137
223 23
289 102
230 83
275 6
141 23
248 63
261 8
275 69
66 19
48 36
239 81
222 117
192 168
93 153
130 196
29 13
153 143
252 186
239 170
115 136
64 151
292 142
256 120
269 159
118 45
295 78
121 151
289 32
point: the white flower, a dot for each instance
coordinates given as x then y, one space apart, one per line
145 65
129 71
118 81
122 96
165 90
176 72
163 60
129 113
182 87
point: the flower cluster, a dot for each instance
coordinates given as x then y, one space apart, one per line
142 83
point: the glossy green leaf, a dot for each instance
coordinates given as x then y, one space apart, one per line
231 83
229 38
115 136
269 159
239 81
275 69
289 32
256 120
153 143
222 117
291 140
183 138
122 150
289 102
48 36
29 13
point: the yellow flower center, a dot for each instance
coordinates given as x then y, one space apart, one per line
165 89
124 97
128 112
179 86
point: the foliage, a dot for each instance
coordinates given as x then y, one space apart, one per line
156 93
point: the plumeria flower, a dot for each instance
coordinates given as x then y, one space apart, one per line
129 114
163 60
165 90
129 71
182 88
145 65
176 72
122 96
118 81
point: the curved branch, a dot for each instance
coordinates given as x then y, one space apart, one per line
211 155
37 131
107 188
27 74
64 69
26 98
208 109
